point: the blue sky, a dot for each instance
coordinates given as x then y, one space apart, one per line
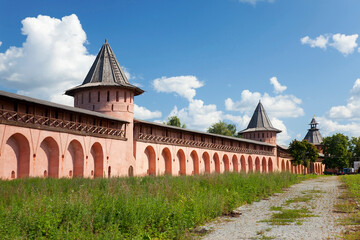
202 60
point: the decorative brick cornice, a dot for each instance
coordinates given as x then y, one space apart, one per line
198 144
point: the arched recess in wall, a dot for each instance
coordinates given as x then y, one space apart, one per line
150 154
250 163
226 163
243 163
264 165
235 163
182 162
77 156
257 164
17 152
287 166
195 160
270 166
283 166
206 161
49 149
98 157
166 155
217 162
131 171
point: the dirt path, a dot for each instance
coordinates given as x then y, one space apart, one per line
314 198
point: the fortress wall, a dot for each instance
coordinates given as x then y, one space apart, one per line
30 152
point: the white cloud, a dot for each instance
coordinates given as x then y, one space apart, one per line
278 88
144 113
277 106
344 43
344 118
253 2
52 59
283 137
329 126
321 41
352 109
182 85
0 43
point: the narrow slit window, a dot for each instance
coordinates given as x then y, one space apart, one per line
108 96
89 97
117 96
124 96
98 96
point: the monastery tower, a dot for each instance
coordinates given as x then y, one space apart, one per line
107 90
260 127
314 136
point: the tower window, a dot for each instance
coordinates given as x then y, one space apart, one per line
82 98
89 97
263 135
108 96
117 96
130 97
124 96
98 96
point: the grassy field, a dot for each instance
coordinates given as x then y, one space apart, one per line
131 208
350 206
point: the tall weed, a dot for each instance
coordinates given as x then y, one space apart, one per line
126 208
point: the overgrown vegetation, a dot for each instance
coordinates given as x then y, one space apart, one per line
350 206
124 208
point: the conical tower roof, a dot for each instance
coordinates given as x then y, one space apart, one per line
260 121
105 72
313 135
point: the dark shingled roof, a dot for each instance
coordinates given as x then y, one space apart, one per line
313 135
105 72
260 121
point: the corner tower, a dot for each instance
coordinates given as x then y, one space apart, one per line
107 90
314 136
260 127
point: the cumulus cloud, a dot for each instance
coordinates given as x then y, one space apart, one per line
321 41
52 59
278 88
144 113
345 44
331 126
277 106
0 43
182 85
344 118
253 2
352 109
283 137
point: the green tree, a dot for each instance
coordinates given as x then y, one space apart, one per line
223 128
174 121
355 150
303 153
337 151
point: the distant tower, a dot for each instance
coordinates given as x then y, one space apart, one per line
107 90
260 127
314 136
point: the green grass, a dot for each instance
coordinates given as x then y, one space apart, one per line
288 216
126 208
350 198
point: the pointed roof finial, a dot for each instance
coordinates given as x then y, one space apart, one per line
105 40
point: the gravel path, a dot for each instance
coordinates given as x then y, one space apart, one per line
324 193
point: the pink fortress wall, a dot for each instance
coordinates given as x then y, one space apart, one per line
27 152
